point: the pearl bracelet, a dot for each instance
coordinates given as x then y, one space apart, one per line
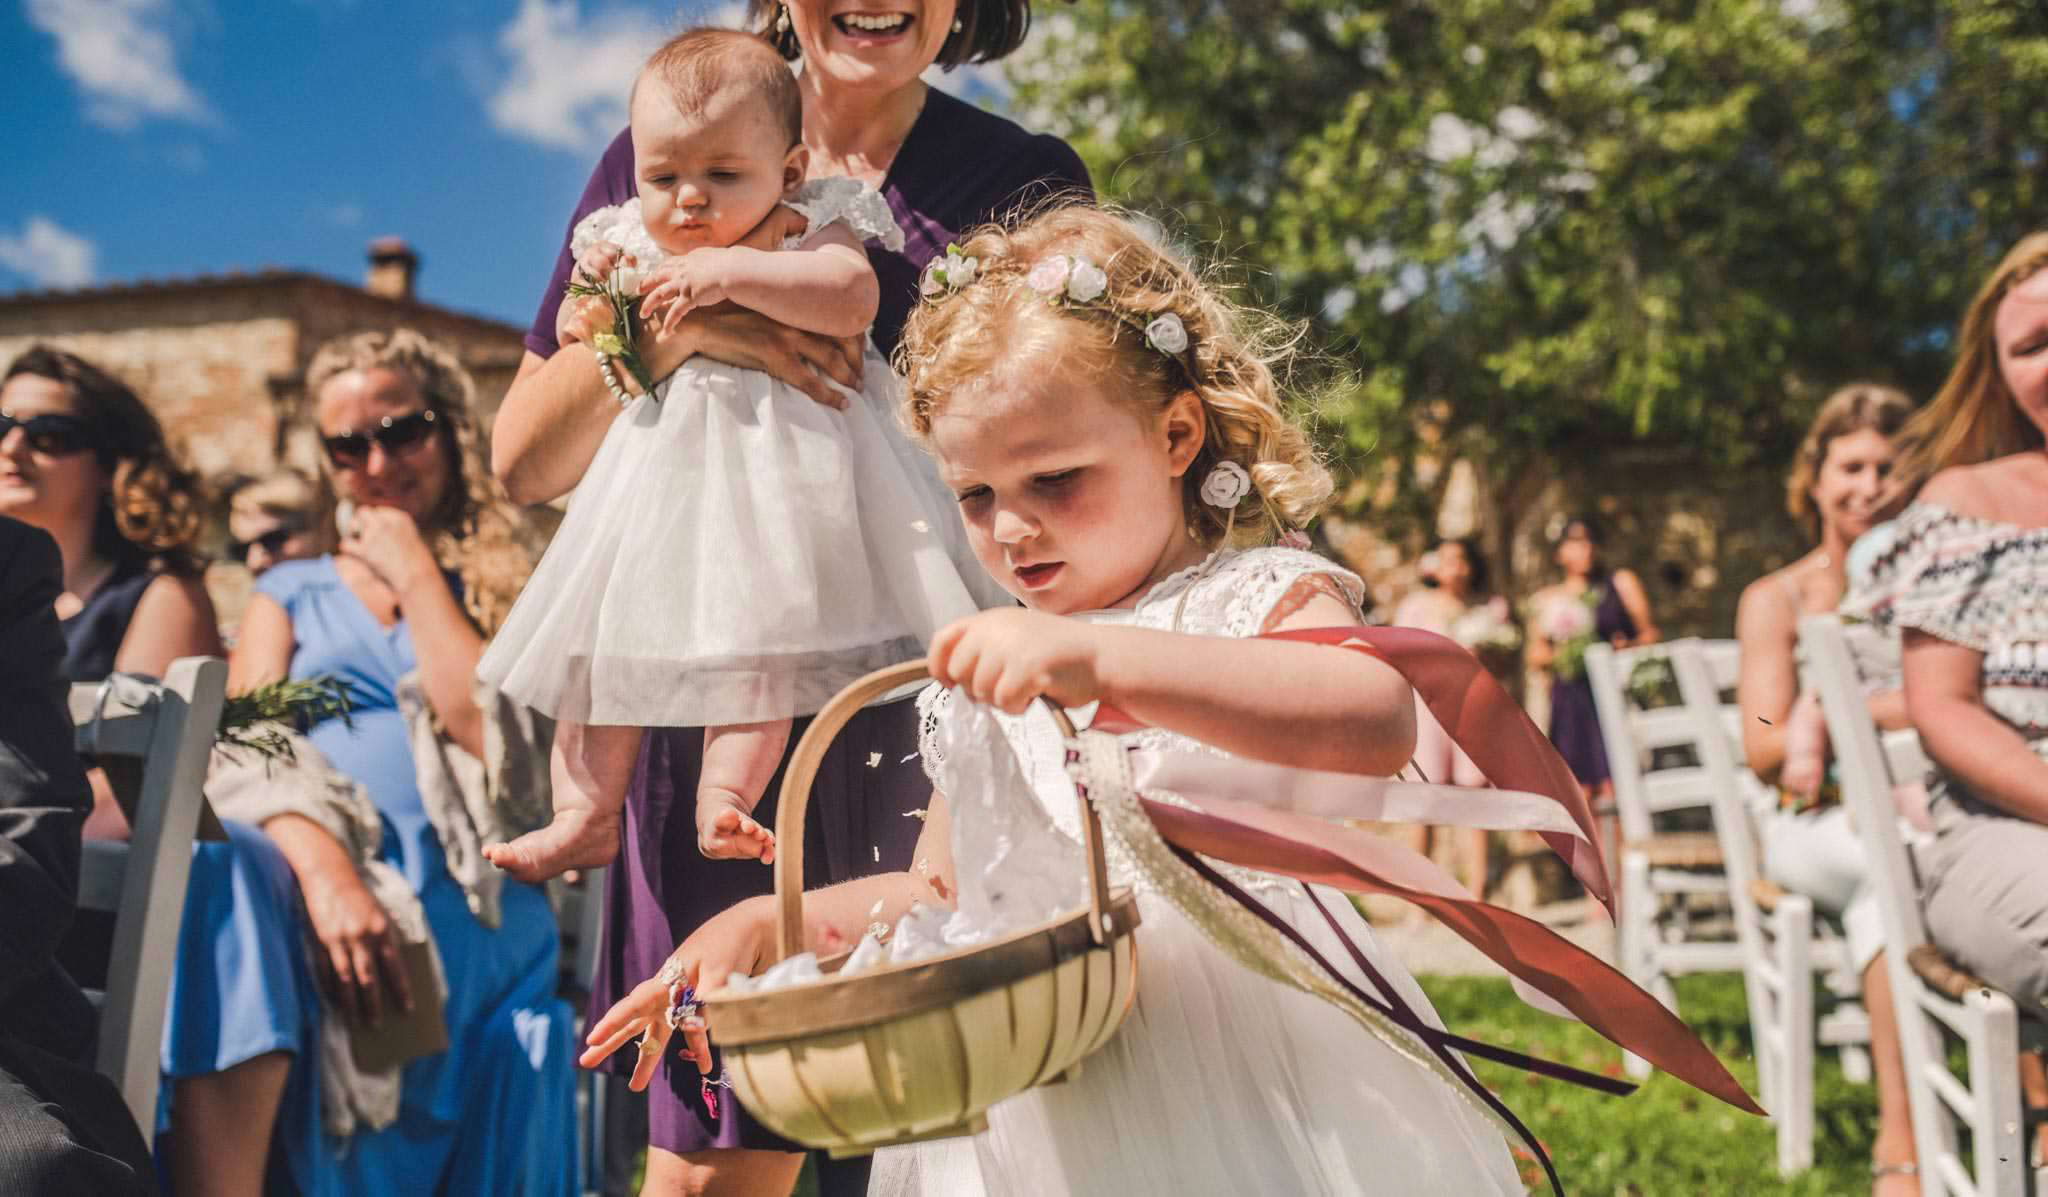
611 380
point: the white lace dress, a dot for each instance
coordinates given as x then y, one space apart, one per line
737 552
1220 1081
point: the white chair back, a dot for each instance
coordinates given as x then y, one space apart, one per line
1633 735
1864 759
1984 1098
1706 670
170 727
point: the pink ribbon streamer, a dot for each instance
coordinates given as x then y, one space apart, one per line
1485 721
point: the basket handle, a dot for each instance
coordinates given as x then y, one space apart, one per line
796 799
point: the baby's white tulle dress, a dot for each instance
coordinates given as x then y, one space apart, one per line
737 552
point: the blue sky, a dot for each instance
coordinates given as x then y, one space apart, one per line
160 138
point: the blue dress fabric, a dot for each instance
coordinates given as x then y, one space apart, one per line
493 1114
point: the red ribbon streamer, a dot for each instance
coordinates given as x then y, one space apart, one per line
1494 731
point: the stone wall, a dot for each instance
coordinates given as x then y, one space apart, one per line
222 362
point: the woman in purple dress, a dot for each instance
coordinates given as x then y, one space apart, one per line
1591 605
945 167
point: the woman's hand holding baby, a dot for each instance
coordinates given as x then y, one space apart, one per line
582 317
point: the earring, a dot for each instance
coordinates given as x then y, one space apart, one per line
956 24
781 20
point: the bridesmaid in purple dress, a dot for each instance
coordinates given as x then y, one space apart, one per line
945 167
1620 617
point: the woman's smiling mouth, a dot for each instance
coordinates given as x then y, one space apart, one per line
863 26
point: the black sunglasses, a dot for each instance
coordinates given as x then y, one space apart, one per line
398 434
51 435
272 542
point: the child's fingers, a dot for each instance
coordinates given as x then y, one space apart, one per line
945 652
647 997
650 1054
697 1043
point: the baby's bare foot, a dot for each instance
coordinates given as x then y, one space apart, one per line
726 830
576 839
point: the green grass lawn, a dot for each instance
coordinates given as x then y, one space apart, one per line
1665 1138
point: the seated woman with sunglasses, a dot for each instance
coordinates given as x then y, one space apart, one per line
428 563
276 518
84 460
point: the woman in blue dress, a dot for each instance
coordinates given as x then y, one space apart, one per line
426 561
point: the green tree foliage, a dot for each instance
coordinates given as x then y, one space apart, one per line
1542 229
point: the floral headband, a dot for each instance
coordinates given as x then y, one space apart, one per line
1064 281
1076 282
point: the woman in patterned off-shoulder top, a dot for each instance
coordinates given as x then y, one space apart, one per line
1966 581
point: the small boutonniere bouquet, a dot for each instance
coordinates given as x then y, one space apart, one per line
620 290
1568 624
254 721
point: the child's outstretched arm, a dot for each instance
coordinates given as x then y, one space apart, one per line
1308 705
825 287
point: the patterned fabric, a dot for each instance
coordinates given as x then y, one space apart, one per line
1230 594
1980 584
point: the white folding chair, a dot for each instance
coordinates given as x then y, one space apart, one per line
1663 872
170 726
1929 993
1782 946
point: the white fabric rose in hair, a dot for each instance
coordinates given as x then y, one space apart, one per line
1167 334
1226 485
1049 276
1086 281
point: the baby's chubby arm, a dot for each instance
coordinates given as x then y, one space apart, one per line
826 287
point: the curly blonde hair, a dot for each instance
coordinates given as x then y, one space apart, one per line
155 507
1235 361
1851 409
1973 417
474 529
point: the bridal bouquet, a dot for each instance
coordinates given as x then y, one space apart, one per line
620 290
1568 624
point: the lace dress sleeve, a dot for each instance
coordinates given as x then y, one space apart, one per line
849 202
1258 588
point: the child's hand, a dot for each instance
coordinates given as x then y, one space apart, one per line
734 940
580 318
1006 658
727 831
681 285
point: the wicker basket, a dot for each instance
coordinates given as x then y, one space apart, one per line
920 1050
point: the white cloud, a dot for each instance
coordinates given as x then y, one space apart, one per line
568 76
120 54
49 255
